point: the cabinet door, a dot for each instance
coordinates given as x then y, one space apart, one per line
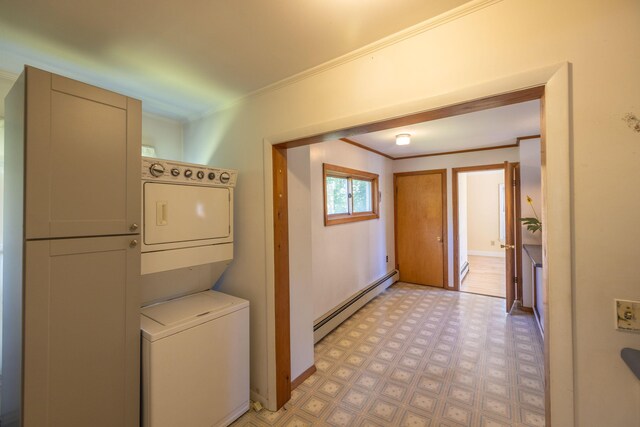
81 333
82 159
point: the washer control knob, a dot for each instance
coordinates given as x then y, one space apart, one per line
212 176
188 173
200 174
156 169
175 172
225 177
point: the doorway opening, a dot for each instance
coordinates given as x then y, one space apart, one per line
278 167
487 236
482 232
551 86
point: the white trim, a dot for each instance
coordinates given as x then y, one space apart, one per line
558 255
429 24
270 402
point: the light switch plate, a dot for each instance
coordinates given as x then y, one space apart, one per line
628 315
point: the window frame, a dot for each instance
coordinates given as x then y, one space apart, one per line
329 170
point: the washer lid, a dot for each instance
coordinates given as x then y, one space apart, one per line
184 309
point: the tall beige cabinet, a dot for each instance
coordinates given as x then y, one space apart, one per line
72 260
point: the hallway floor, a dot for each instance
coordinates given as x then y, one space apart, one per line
486 276
422 356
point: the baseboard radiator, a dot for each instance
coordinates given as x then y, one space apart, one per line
464 270
342 312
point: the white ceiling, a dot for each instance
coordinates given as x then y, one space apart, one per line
183 58
487 128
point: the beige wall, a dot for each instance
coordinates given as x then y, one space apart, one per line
6 82
330 264
495 47
349 257
164 134
483 213
301 250
463 241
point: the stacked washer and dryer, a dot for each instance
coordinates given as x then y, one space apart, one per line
195 341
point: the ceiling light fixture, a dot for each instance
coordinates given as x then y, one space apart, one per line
403 139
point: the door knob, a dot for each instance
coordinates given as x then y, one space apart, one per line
439 239
133 243
507 246
133 227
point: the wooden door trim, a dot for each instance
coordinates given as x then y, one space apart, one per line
494 101
518 236
456 224
509 235
445 225
281 281
281 276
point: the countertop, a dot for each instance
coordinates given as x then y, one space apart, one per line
535 253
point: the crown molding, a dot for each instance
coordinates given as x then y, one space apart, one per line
395 38
429 24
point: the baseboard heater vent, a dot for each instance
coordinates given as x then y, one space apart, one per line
342 312
464 270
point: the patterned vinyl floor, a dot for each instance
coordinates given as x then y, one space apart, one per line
421 356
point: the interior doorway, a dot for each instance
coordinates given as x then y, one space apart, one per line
552 87
481 232
487 254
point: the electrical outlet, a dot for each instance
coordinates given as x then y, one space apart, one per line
628 315
493 243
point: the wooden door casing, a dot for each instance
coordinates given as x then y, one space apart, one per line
421 226
510 241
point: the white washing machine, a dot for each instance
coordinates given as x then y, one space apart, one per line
195 367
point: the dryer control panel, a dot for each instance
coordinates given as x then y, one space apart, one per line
186 173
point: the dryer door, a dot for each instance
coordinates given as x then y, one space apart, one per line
185 215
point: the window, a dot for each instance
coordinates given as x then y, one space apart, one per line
349 195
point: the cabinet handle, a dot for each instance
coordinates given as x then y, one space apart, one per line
133 243
133 227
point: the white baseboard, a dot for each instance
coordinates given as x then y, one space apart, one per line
497 254
343 311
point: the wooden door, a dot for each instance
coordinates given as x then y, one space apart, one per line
510 240
82 332
420 219
83 159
